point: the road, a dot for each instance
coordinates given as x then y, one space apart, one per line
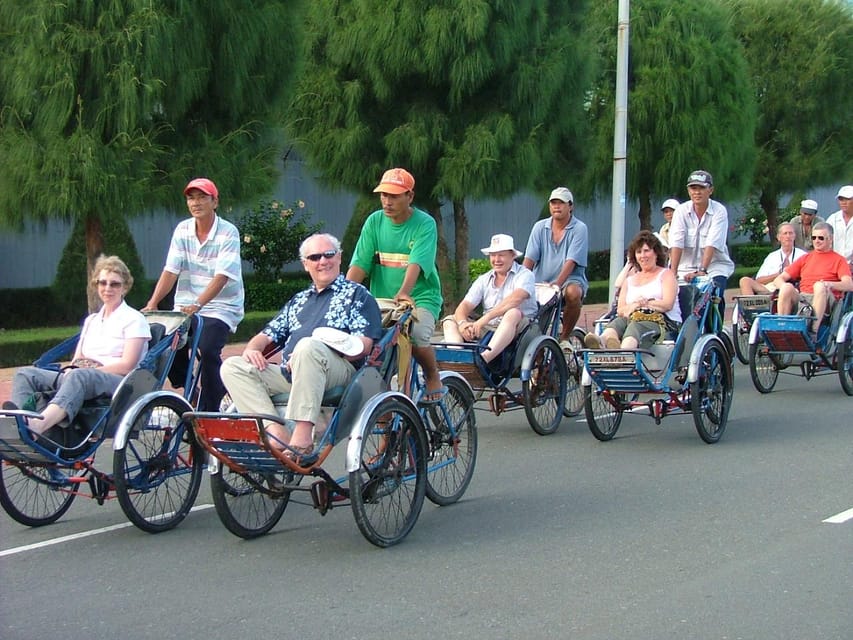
652 535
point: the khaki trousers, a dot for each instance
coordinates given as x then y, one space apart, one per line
314 369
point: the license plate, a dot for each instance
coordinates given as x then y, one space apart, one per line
612 359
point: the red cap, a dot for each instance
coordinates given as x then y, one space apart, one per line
204 185
395 181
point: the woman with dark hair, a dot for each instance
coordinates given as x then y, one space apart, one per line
648 301
112 343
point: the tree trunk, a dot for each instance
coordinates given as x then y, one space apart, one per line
94 248
442 258
645 213
770 205
461 231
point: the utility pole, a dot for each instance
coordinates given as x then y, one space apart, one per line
620 145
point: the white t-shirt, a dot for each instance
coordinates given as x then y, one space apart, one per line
103 339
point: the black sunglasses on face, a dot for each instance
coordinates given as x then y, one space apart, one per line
818 237
112 284
315 257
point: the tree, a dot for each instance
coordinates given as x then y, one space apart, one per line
800 55
110 107
690 104
473 97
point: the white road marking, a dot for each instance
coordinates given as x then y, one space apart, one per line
840 518
82 534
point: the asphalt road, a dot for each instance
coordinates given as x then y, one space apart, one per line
652 535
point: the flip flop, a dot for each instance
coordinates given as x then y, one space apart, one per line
432 398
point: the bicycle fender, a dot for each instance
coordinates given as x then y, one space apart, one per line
693 366
133 411
353 455
846 319
455 374
527 360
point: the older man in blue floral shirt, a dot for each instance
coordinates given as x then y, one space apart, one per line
309 366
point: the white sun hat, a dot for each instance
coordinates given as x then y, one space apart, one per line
340 341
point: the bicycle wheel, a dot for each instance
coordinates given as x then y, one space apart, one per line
387 491
452 454
711 394
158 471
544 392
243 507
844 358
35 495
762 368
602 418
740 331
574 391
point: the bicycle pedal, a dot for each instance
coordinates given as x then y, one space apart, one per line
320 497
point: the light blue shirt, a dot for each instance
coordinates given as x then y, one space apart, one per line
484 291
549 257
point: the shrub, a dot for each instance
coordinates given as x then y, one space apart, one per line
271 234
749 255
270 296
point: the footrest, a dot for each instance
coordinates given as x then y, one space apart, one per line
786 333
461 360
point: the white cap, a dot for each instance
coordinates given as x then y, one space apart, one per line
561 193
672 203
846 191
340 341
809 206
501 242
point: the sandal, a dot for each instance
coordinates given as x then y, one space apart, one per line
431 398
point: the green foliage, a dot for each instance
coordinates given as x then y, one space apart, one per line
270 296
482 99
691 104
753 222
598 265
72 274
271 233
749 255
363 208
799 55
110 107
477 267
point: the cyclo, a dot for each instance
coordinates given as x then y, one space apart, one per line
744 312
692 374
782 343
397 453
549 378
157 466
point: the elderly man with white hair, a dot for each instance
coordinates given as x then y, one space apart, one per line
774 263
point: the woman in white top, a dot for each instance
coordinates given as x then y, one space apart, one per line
654 288
112 343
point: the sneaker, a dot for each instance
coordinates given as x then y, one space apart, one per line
612 343
592 341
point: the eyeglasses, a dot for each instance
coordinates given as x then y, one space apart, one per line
112 284
315 257
818 237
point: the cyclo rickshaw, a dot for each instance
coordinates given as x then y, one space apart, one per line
157 466
397 452
549 379
744 312
784 344
693 374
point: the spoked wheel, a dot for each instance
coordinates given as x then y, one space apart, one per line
452 453
387 491
845 361
545 391
574 369
250 505
740 332
602 418
711 394
35 495
762 368
158 471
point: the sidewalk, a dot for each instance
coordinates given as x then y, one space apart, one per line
589 314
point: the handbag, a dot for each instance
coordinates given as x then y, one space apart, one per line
650 315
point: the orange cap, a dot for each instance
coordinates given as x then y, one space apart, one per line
395 181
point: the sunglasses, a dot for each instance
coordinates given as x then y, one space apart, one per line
315 257
818 237
112 284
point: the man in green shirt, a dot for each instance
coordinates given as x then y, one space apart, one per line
396 251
